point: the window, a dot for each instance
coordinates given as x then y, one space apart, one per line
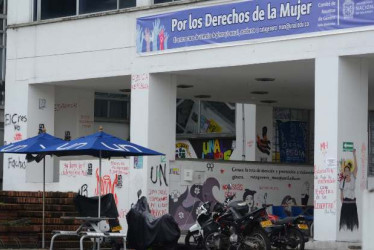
205 117
126 3
164 1
90 6
111 107
292 133
61 8
64 8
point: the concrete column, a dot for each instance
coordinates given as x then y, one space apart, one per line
341 106
41 104
245 125
153 121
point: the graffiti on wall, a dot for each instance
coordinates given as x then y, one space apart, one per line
217 149
182 150
15 120
86 121
65 106
257 185
73 169
158 175
158 190
263 143
347 185
16 162
107 185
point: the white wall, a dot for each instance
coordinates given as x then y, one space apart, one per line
121 130
74 112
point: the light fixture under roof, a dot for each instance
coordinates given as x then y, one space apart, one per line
184 86
125 90
259 92
265 79
268 101
202 96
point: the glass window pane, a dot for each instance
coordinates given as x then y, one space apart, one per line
2 6
187 118
60 8
101 108
35 10
217 117
164 1
127 3
118 109
91 6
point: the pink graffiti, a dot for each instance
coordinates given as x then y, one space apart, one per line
107 186
18 137
324 146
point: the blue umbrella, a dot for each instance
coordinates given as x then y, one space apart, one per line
30 146
100 145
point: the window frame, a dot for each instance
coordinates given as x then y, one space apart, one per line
125 99
77 13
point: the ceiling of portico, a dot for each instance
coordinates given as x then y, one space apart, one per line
293 86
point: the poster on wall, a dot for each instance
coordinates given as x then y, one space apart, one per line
248 20
256 184
217 149
292 141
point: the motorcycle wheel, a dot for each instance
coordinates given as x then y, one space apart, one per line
297 237
249 243
216 241
210 242
258 240
194 240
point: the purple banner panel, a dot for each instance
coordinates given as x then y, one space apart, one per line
249 20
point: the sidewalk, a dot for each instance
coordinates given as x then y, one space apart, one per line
314 245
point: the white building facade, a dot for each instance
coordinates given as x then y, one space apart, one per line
311 55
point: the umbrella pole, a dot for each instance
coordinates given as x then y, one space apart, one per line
98 243
43 220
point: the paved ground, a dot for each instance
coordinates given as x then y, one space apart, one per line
314 245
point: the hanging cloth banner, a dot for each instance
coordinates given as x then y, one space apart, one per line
249 20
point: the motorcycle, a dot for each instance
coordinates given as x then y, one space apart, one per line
298 222
234 227
195 234
285 233
249 231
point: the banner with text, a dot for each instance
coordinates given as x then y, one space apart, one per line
249 20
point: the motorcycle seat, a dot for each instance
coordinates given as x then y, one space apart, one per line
284 221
